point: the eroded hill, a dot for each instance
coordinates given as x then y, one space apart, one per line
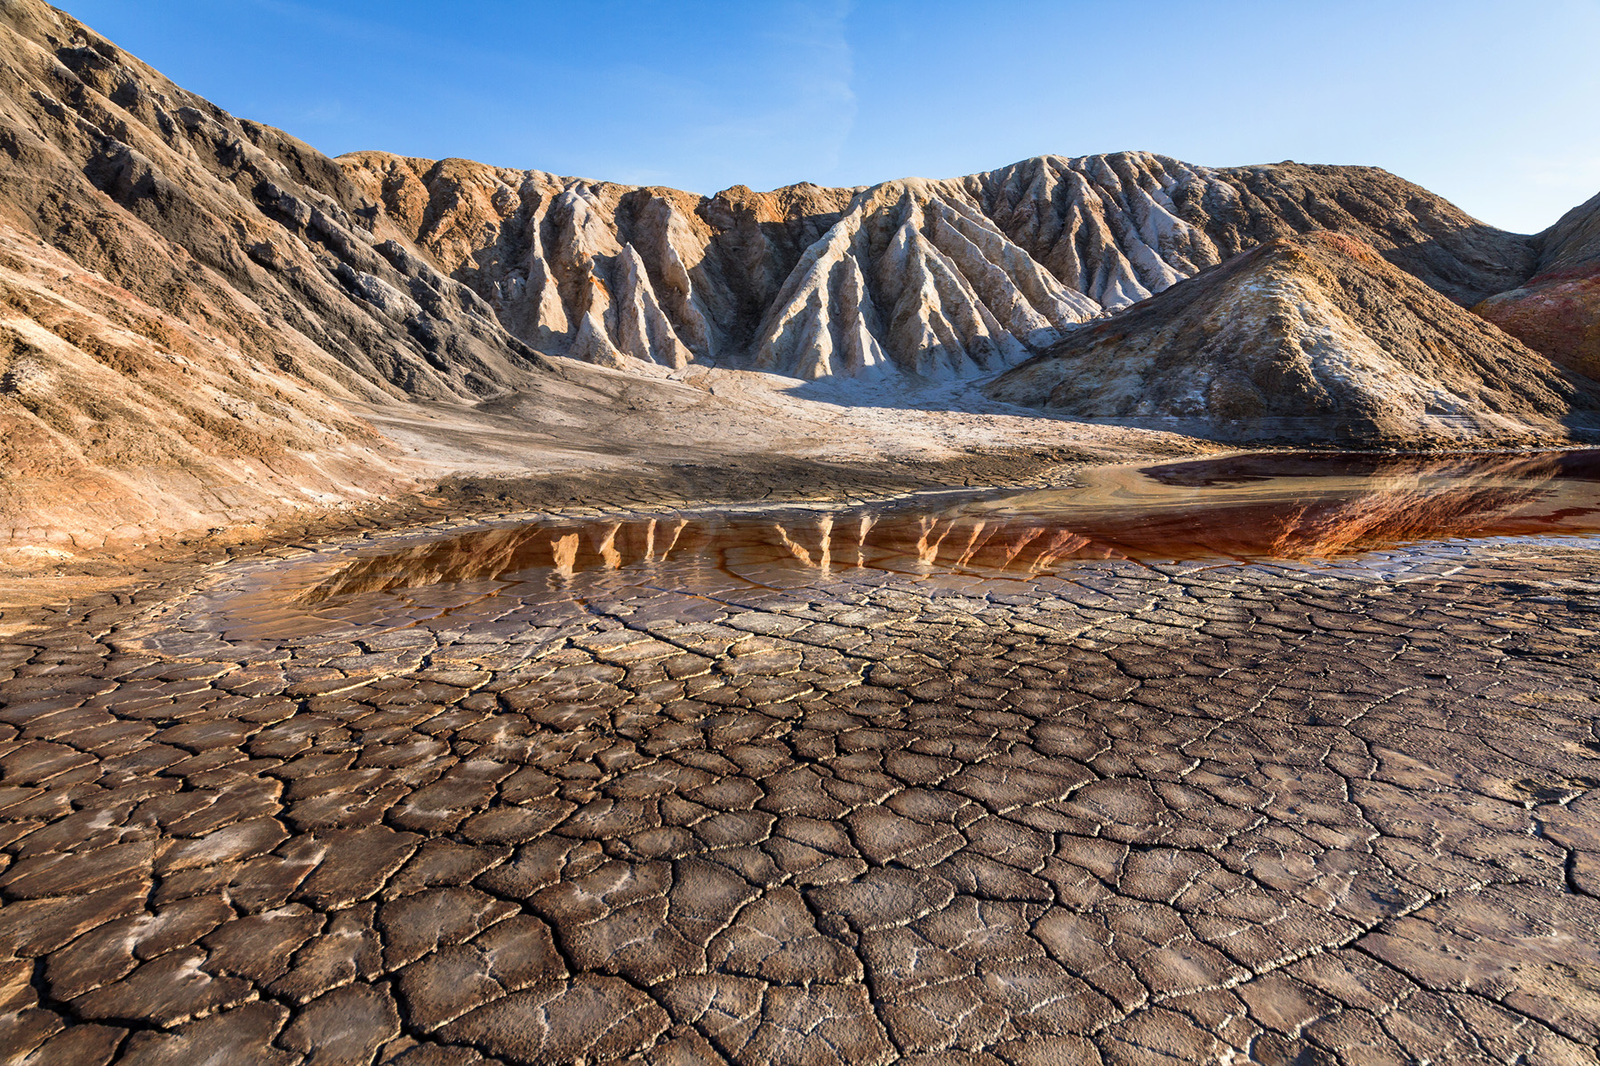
1308 338
1557 311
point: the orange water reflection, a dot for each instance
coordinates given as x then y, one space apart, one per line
1292 507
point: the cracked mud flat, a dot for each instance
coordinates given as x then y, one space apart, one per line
1242 760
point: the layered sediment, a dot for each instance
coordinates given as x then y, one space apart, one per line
197 308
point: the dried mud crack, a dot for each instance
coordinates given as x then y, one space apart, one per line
1128 813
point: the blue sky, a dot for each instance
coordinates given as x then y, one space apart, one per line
1495 105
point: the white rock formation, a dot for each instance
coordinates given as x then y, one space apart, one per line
934 278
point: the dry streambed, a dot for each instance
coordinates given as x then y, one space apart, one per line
1225 762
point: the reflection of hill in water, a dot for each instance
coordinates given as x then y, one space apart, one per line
1283 507
1257 466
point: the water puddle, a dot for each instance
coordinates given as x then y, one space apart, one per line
1283 507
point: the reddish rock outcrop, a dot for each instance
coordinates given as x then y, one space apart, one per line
1557 311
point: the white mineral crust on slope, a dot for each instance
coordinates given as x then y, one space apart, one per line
940 279
824 321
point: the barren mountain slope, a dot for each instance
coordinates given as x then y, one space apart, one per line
237 227
192 304
1574 240
121 422
1557 311
944 278
1312 338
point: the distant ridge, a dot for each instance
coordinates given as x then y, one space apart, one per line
1557 311
937 278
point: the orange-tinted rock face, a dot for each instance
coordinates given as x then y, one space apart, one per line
1556 313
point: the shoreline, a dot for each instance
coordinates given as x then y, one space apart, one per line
29 596
96 576
1290 730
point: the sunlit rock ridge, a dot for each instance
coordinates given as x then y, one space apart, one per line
939 278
